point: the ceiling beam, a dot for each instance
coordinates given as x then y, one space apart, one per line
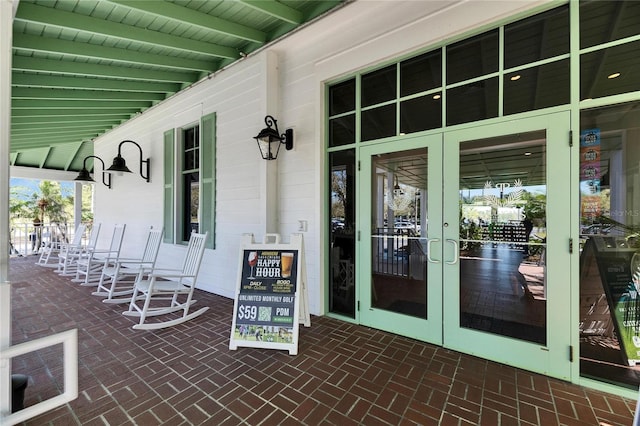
71 158
18 133
66 119
25 93
28 12
90 122
45 157
276 9
54 136
193 17
44 112
33 43
24 63
79 103
19 79
53 140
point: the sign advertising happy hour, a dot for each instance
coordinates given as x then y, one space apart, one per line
267 304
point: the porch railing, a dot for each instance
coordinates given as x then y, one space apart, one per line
27 238
393 251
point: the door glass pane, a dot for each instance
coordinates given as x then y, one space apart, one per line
537 87
398 232
610 244
609 71
472 102
342 255
342 130
423 113
342 97
472 57
503 235
604 21
379 86
542 36
421 73
378 122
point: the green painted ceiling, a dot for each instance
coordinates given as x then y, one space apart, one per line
83 67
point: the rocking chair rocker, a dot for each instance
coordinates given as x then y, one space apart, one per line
173 285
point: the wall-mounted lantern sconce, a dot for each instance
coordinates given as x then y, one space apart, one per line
120 165
270 135
84 175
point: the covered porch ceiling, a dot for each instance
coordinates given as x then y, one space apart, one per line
83 67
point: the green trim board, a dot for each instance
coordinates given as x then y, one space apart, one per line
208 176
169 170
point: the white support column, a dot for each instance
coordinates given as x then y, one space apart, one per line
269 169
7 11
423 212
391 214
379 202
77 204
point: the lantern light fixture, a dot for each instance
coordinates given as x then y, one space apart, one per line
269 139
119 165
84 175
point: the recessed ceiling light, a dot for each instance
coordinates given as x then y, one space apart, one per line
515 77
436 97
527 153
614 75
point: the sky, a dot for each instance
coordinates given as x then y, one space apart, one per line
32 186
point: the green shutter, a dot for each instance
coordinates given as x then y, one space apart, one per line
169 170
208 177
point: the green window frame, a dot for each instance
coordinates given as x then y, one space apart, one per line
207 182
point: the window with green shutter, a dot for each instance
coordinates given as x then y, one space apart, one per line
189 181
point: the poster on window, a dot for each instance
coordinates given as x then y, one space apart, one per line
271 298
590 173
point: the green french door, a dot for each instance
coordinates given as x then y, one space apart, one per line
402 290
465 238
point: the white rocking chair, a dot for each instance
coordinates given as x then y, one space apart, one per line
173 285
68 258
53 247
92 261
118 277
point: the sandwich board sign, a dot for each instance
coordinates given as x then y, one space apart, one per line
271 297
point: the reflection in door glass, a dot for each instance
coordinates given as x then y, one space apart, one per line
342 254
610 244
503 235
398 232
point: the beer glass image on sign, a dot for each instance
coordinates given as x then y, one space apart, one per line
286 261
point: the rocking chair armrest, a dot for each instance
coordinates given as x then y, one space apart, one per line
129 260
168 273
101 251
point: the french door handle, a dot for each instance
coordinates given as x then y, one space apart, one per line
429 250
455 252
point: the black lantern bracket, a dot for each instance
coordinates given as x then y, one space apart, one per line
84 175
120 165
269 139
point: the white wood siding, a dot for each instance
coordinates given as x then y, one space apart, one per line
355 37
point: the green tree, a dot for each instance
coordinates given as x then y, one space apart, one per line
87 203
48 205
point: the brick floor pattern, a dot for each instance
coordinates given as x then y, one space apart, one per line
344 374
